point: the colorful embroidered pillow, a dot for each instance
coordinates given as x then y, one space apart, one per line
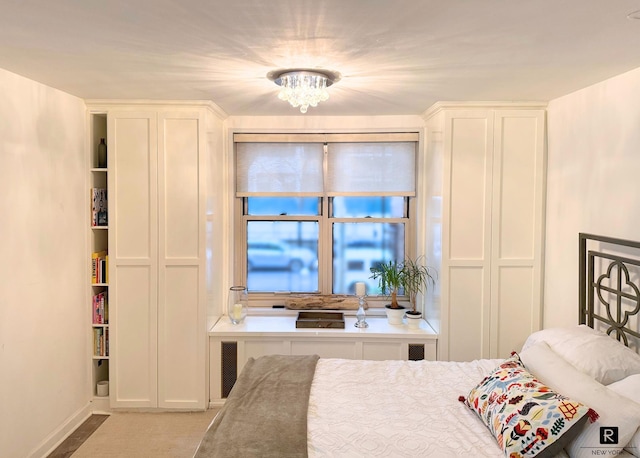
526 417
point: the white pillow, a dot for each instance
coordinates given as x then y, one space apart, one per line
613 409
592 352
630 388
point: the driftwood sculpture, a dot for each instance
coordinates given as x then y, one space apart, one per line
318 302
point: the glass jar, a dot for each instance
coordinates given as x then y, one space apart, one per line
237 304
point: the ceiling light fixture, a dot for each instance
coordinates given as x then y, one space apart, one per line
303 87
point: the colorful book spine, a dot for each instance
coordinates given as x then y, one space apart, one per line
101 341
99 267
100 306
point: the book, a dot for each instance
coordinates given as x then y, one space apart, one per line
100 308
98 267
97 337
101 341
99 216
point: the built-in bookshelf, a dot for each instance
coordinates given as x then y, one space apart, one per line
99 255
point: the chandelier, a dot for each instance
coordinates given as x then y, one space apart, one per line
303 88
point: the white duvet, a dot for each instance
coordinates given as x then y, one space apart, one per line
396 409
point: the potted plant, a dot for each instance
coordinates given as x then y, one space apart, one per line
416 278
390 278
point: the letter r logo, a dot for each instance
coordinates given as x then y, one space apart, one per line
608 435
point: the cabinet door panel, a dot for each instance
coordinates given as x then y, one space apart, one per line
325 349
517 313
470 149
181 378
181 187
257 348
133 339
382 351
468 313
131 200
516 183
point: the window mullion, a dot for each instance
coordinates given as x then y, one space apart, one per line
325 250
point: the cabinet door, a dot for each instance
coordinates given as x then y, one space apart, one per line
466 237
133 244
516 258
181 261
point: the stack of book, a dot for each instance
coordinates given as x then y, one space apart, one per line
101 341
100 267
100 308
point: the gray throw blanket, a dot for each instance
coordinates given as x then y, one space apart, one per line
265 414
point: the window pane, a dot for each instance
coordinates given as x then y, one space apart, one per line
375 207
359 246
282 256
296 206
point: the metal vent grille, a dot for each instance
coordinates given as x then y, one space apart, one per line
229 368
416 352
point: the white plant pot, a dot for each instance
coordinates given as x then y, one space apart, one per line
394 316
413 321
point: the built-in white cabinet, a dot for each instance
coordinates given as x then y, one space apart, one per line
230 346
157 255
484 187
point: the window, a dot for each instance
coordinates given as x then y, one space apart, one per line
315 212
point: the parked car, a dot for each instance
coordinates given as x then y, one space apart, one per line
274 255
355 266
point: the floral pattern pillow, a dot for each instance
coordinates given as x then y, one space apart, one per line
526 417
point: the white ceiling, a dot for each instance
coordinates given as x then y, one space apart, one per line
395 56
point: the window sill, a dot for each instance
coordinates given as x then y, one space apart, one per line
279 311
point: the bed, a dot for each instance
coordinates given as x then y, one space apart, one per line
571 391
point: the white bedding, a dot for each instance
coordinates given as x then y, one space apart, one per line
396 409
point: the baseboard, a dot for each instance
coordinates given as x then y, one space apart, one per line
215 403
100 405
62 432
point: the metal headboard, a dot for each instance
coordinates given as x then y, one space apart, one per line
612 278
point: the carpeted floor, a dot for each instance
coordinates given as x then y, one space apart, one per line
142 435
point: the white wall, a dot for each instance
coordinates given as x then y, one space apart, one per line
593 181
44 317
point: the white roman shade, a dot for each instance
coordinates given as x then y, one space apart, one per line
272 169
363 169
381 164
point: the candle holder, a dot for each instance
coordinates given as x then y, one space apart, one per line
361 315
237 304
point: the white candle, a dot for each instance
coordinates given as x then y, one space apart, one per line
237 311
360 289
